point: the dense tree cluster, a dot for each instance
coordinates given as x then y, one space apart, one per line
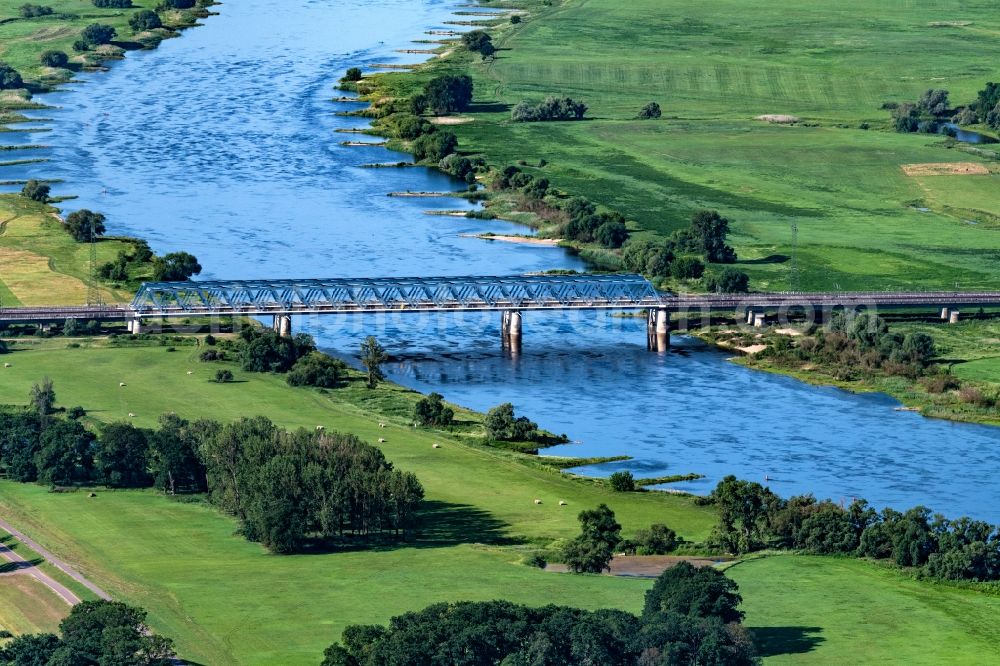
28 10
551 108
478 41
287 489
988 105
690 617
444 94
435 146
502 425
121 268
178 4
751 517
264 350
854 346
145 19
352 74
36 191
431 411
52 58
925 115
85 225
591 550
175 267
587 225
95 632
113 4
96 34
317 369
10 78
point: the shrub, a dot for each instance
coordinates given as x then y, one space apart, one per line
223 376
434 146
113 4
536 560
317 369
479 42
36 191
501 424
657 540
687 268
553 108
175 267
81 45
212 355
650 111
974 396
34 11
53 58
9 77
941 383
729 281
179 4
448 93
85 225
431 411
145 20
76 413
611 234
97 33
515 19
352 74
622 482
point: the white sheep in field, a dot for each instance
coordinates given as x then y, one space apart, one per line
381 440
381 425
190 372
6 365
538 501
320 428
131 415
120 384
562 503
435 446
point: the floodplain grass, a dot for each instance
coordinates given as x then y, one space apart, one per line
828 610
41 264
226 600
27 606
714 68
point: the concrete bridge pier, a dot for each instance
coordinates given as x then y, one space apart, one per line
282 325
750 316
953 316
510 330
658 330
135 326
945 313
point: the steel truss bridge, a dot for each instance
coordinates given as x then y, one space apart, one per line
462 294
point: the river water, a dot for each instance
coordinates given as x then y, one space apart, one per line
223 143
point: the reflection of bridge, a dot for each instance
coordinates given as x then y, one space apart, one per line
509 295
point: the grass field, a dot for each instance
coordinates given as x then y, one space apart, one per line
820 610
28 607
41 263
717 65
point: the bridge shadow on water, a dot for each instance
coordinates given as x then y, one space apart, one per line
775 641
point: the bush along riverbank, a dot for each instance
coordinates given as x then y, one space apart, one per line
867 353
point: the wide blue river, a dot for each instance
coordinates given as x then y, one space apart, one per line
223 143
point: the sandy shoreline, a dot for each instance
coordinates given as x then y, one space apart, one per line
523 240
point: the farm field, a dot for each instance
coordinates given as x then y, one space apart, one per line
714 68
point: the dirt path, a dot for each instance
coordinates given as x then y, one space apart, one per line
55 586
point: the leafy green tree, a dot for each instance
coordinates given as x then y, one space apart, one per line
431 411
611 234
478 41
175 267
43 397
266 351
591 551
353 74
65 454
174 459
550 109
515 19
373 355
180 4
919 347
96 34
122 456
145 19
650 112
709 231
20 440
743 508
9 77
223 376
448 93
622 481
112 4
687 268
114 634
36 191
85 225
317 369
657 540
694 591
30 650
434 146
502 425
728 281
52 58
828 531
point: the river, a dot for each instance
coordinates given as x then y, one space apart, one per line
223 143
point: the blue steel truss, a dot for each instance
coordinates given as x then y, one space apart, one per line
523 292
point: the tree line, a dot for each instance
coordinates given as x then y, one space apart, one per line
289 490
690 616
932 109
751 518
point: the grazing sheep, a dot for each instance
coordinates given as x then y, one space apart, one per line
6 365
538 501
131 415
435 446
121 384
381 425
190 372
562 503
381 440
320 428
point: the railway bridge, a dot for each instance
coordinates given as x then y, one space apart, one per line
509 295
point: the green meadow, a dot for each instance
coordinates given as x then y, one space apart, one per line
717 65
226 600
